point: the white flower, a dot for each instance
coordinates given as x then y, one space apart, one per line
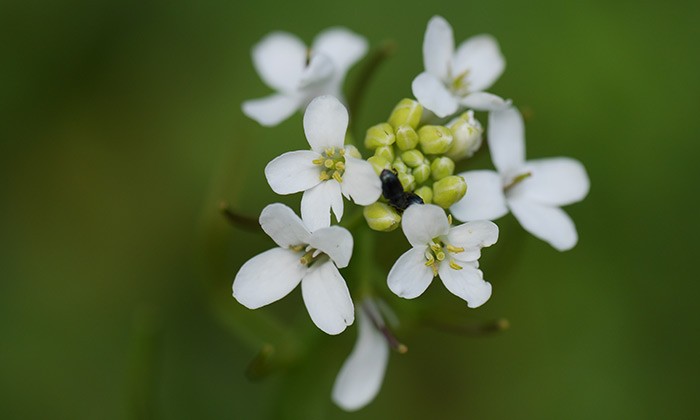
453 78
532 190
453 253
311 258
299 74
327 172
361 376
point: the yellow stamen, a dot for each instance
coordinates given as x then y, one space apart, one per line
328 163
430 261
435 247
318 161
454 265
340 166
449 219
297 248
342 152
455 249
337 177
440 256
307 258
324 176
330 152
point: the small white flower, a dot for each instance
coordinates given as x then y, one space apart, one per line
299 74
453 253
311 258
327 172
362 374
457 78
532 190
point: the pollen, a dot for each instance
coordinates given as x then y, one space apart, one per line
324 176
337 177
454 265
340 166
454 249
318 161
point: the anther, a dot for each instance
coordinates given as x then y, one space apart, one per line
455 249
307 258
318 161
328 163
337 177
440 256
340 166
449 219
324 176
330 151
454 265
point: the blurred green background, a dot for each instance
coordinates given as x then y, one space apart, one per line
122 131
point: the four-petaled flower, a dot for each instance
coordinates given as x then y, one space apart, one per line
328 171
361 376
309 257
438 249
457 78
299 74
532 190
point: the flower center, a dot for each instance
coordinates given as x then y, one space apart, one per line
438 251
311 254
516 180
460 84
332 163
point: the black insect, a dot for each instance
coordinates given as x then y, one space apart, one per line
393 191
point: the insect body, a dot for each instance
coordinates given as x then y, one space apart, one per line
393 191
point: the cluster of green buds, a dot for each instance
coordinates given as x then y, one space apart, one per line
422 156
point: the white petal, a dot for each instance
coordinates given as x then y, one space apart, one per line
409 277
484 199
506 138
280 58
481 56
325 123
555 181
283 226
467 283
342 46
361 376
334 241
438 46
484 101
316 205
423 222
433 95
319 71
472 236
327 298
360 182
551 224
271 110
293 172
268 277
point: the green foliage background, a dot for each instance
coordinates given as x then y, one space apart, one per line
121 131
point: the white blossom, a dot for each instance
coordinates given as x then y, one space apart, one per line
362 374
327 171
299 74
309 257
532 190
454 78
438 249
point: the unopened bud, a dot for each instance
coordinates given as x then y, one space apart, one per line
379 163
379 135
400 166
421 173
408 112
381 217
406 137
412 158
467 132
442 167
426 193
434 139
449 190
407 181
387 152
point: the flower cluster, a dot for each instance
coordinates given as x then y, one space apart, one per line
409 180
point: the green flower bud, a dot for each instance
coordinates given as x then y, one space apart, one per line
426 193
434 139
352 151
442 167
412 158
407 111
407 181
381 217
387 152
379 135
400 166
379 164
449 190
467 132
406 137
421 173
